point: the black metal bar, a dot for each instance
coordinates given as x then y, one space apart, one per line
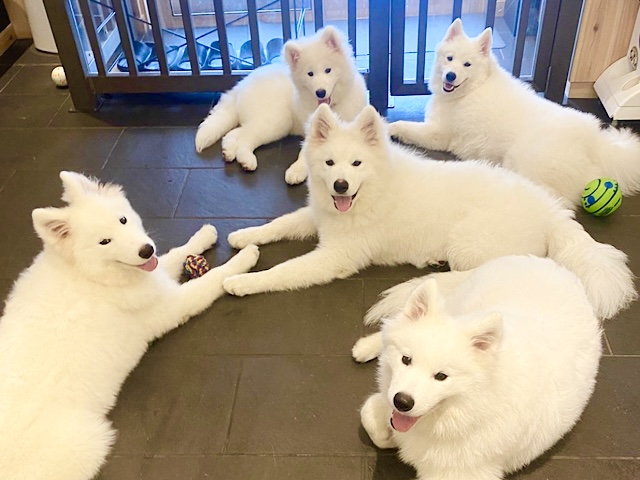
490 17
172 83
546 35
222 37
521 33
83 95
185 13
254 33
318 14
562 51
351 19
125 36
378 80
398 12
156 29
90 28
286 19
423 13
457 9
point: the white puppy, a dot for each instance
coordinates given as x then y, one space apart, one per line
374 202
79 319
481 371
276 100
479 111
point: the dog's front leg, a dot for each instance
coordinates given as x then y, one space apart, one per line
196 295
315 268
375 416
298 225
173 261
297 171
367 348
427 135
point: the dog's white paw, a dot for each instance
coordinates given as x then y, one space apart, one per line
246 259
296 173
230 146
396 130
241 285
203 137
203 239
367 348
243 237
375 421
246 159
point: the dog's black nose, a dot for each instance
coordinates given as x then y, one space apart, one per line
450 76
403 401
321 93
146 251
341 186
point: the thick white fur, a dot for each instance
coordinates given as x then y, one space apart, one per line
276 100
419 211
520 344
494 116
79 319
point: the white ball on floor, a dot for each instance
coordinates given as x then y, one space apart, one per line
58 77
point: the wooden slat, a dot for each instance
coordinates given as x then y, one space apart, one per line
90 28
188 32
156 29
125 36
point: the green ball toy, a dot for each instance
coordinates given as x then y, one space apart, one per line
601 197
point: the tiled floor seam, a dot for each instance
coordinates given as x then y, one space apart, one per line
53 117
113 147
236 388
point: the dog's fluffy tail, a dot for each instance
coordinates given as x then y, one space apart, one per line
222 118
619 155
602 268
392 301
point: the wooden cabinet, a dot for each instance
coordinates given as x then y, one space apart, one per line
603 37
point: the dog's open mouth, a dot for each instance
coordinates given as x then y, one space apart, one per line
450 87
343 202
401 422
326 100
150 265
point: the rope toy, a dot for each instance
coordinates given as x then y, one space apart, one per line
196 266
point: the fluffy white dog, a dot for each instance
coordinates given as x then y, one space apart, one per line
375 202
79 319
481 371
480 111
276 100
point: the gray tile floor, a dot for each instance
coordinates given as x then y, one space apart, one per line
261 387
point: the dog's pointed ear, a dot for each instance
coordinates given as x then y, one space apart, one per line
76 186
487 333
424 301
485 40
321 124
51 224
292 53
332 38
454 30
371 126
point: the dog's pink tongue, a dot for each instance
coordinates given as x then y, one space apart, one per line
402 423
324 100
342 203
150 265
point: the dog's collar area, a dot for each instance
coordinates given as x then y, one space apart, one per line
343 202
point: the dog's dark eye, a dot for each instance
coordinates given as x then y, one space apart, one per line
310 74
450 58
330 162
327 70
440 376
467 64
106 241
406 360
356 163
123 220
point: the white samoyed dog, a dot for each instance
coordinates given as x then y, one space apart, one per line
79 319
481 371
480 111
374 202
276 100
